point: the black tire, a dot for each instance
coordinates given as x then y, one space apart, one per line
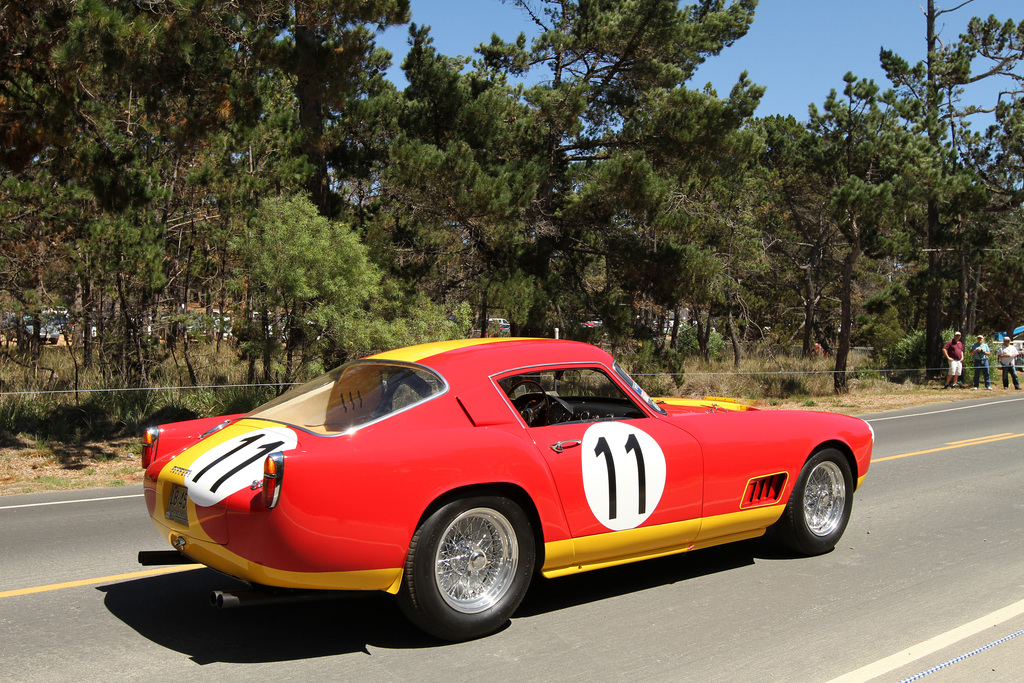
468 568
820 505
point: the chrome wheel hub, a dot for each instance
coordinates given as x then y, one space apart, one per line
824 498
476 560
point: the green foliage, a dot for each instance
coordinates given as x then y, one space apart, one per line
321 291
689 344
882 324
659 371
908 352
166 167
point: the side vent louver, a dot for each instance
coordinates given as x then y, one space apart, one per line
764 490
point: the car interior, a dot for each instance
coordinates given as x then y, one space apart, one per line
559 396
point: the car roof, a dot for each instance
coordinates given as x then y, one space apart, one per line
488 356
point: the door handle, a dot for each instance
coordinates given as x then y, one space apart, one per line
562 445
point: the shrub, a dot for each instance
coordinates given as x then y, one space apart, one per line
908 353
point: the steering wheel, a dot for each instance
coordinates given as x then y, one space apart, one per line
536 411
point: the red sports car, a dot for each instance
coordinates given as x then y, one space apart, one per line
451 473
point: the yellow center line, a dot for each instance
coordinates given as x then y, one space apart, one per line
982 439
954 444
102 579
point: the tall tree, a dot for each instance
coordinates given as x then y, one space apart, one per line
326 49
931 100
802 237
857 141
589 152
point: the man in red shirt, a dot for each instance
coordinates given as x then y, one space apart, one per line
954 353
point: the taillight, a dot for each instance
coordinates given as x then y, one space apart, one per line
149 439
273 475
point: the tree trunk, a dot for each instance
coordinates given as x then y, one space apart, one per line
737 352
840 385
933 292
972 300
703 334
311 109
933 320
483 317
810 312
674 344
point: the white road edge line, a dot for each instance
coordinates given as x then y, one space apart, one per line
946 410
916 652
68 502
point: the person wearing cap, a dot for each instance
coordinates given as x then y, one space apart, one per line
954 353
1007 355
981 353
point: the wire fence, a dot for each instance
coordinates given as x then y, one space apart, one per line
775 373
923 372
187 387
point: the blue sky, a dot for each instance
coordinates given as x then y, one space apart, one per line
798 49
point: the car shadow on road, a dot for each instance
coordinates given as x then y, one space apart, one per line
594 586
174 611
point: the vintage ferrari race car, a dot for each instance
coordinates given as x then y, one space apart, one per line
451 473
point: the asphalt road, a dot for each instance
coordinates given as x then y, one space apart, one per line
929 579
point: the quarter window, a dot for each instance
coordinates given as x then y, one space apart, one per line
351 396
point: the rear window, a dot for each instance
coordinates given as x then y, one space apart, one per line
351 396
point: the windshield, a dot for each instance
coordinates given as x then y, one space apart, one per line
352 395
641 394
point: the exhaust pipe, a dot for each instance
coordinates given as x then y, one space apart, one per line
152 558
263 596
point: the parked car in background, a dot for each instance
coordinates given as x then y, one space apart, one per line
53 323
498 327
201 325
453 474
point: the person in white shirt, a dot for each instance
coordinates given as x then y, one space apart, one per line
1007 355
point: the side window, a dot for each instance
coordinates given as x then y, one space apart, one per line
546 397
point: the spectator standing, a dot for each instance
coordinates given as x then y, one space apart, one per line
954 353
981 353
1007 357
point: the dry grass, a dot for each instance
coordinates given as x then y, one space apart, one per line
27 466
870 402
775 382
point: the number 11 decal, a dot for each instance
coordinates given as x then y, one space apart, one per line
623 474
234 464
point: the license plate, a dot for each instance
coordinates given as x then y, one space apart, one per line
177 506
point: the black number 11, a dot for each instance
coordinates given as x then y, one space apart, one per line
632 444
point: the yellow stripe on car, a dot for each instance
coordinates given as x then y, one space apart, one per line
414 354
584 554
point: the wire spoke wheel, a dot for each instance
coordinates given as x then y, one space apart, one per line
476 560
469 565
824 499
820 506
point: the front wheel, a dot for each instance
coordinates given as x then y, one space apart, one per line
820 505
468 568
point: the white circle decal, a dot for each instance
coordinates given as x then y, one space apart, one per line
623 474
235 464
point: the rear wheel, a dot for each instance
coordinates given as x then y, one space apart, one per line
468 568
820 505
